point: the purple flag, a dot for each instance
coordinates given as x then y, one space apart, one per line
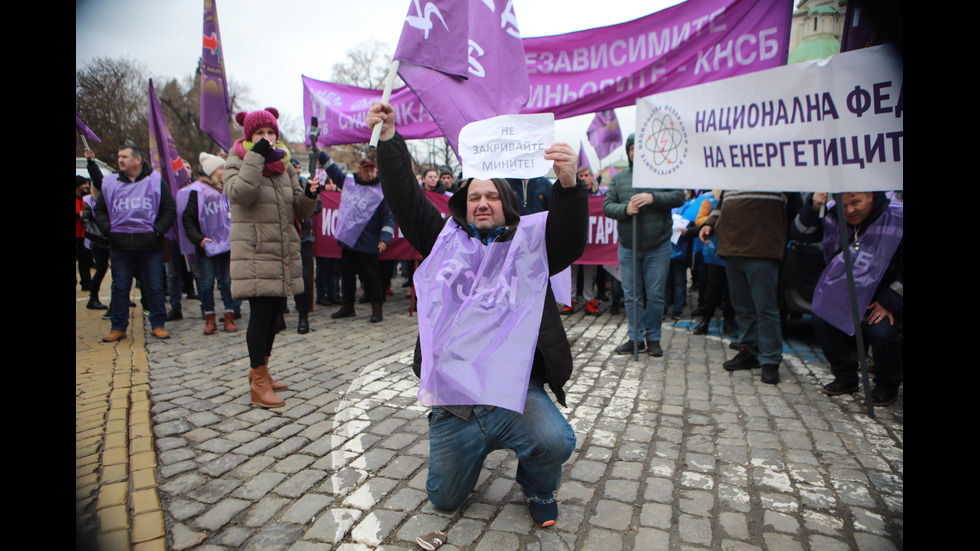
583 160
604 133
442 46
84 130
163 149
215 100
496 81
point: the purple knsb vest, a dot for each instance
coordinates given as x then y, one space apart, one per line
479 315
89 204
870 255
214 215
183 195
357 206
133 207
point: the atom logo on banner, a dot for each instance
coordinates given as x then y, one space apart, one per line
663 141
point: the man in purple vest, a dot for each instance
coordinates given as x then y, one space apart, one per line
490 333
135 210
875 236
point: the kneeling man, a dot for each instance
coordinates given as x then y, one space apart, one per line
490 332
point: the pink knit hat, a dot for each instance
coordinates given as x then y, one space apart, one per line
255 120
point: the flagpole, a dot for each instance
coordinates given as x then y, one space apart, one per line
855 315
385 96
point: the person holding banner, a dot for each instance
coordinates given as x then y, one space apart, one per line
489 328
875 230
625 201
266 200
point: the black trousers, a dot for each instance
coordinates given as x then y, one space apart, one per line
364 265
304 300
101 256
263 323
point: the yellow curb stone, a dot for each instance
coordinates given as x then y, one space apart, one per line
141 431
113 495
145 478
159 544
115 473
116 440
114 456
144 460
148 526
140 444
145 501
87 482
114 541
113 518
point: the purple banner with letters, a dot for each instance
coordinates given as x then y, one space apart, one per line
588 71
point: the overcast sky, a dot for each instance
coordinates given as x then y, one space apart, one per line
268 45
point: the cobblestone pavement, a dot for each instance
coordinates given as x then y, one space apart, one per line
672 452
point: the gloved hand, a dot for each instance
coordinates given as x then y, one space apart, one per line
262 147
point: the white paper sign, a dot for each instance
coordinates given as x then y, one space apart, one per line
508 146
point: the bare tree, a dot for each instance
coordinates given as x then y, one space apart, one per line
111 96
366 66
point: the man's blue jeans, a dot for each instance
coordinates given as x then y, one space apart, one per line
753 284
174 283
124 265
541 438
212 268
653 266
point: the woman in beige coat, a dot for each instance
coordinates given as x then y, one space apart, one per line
266 200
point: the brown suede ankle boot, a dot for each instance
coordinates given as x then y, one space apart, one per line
260 385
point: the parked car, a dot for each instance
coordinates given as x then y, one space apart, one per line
81 167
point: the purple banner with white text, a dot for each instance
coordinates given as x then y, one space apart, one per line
583 72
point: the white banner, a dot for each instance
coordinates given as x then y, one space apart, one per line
830 125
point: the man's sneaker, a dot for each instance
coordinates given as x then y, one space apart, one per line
431 540
568 309
627 347
838 387
653 348
883 396
543 513
743 360
174 315
592 308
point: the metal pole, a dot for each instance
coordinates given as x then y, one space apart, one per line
858 335
635 338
